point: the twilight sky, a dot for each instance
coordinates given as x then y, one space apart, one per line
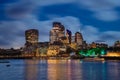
95 19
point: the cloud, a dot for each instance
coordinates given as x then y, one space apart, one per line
90 33
19 10
110 36
50 2
107 15
103 9
10 32
22 8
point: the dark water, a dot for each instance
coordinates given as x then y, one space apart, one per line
59 70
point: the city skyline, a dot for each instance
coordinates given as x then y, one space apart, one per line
96 20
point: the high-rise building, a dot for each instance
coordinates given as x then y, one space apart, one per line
117 44
78 38
31 44
57 33
68 36
31 36
73 39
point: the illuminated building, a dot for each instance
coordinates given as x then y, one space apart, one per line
98 44
31 36
53 50
57 39
117 44
78 38
73 39
93 45
93 52
57 32
73 45
31 44
113 54
85 45
68 36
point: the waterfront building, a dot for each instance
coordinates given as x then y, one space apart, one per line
117 44
93 45
53 50
31 36
58 39
68 36
57 33
73 45
78 38
42 48
99 44
85 45
31 45
72 39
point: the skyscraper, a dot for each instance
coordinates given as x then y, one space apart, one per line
57 32
117 44
31 44
68 36
78 38
31 36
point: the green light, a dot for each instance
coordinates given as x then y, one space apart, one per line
93 52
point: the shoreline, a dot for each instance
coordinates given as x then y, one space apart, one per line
102 58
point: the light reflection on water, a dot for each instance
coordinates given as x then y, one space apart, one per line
59 70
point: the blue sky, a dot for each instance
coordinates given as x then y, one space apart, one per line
95 19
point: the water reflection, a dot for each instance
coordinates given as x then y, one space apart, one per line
31 69
63 70
113 70
52 70
70 70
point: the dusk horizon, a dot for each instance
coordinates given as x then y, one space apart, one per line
96 20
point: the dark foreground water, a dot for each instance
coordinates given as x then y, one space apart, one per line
59 70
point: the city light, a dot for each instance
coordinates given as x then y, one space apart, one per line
93 52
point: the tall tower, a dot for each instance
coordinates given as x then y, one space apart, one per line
31 36
68 36
78 38
31 44
57 32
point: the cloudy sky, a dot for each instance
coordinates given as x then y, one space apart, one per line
95 19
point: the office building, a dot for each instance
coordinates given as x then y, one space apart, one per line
78 38
57 33
31 44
